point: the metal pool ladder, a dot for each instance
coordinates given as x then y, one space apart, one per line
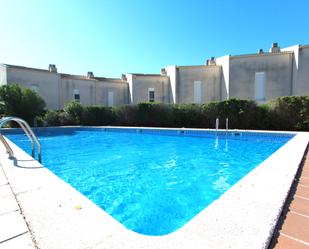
26 128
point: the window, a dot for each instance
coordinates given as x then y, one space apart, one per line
34 87
76 95
197 92
259 86
151 95
110 98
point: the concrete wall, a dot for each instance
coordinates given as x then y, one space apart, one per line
120 90
47 83
301 82
171 72
3 80
129 78
141 84
224 62
287 73
86 89
210 77
278 68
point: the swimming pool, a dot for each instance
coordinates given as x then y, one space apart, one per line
152 182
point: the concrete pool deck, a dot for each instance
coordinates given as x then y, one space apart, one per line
244 217
14 232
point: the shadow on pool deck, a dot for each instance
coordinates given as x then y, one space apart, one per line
293 227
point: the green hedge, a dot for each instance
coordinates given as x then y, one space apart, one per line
284 113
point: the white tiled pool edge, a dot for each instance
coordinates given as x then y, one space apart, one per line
244 217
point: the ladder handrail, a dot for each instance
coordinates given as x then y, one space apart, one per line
30 138
26 128
7 146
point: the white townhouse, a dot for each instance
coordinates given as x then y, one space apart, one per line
260 76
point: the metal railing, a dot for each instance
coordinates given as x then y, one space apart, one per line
26 128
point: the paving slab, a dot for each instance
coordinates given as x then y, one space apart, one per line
296 226
285 242
3 180
23 241
302 191
12 224
304 181
8 204
306 173
5 190
300 206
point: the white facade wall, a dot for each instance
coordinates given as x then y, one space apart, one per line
129 78
277 68
86 88
295 65
58 89
171 72
140 85
119 89
46 83
3 78
263 76
301 82
210 78
224 62
93 91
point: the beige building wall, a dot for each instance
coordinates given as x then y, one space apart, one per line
118 88
141 83
3 80
86 88
224 62
129 78
171 72
44 82
278 70
210 78
94 91
285 72
58 89
301 81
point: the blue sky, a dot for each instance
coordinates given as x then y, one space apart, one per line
111 37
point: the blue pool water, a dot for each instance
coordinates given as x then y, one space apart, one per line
153 184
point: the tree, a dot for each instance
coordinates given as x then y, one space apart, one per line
21 102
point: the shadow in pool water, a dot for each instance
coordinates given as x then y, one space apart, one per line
45 131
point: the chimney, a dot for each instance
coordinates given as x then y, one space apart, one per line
274 48
163 71
52 68
90 75
261 51
124 77
211 61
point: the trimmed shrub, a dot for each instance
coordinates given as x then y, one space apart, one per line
74 110
285 113
188 115
125 115
57 118
154 114
97 115
289 113
242 114
51 118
